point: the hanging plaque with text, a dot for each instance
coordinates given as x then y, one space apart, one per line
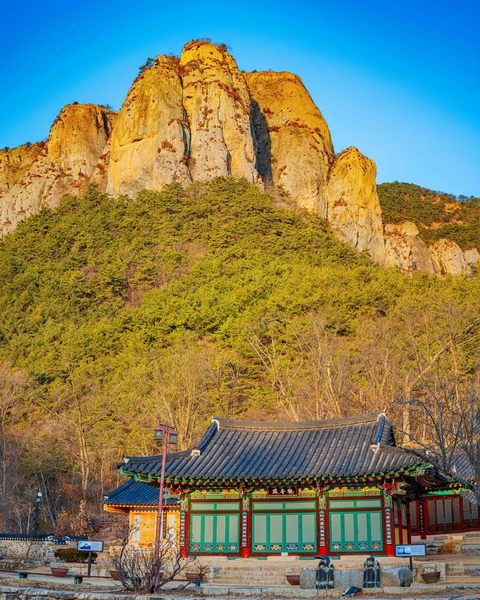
286 490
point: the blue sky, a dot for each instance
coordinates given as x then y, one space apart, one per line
398 79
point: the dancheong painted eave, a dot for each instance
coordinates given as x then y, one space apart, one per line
346 449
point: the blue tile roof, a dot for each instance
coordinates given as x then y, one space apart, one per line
135 493
246 450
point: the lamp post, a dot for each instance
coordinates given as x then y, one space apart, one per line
166 434
36 514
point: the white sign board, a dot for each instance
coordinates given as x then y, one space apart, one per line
89 546
410 550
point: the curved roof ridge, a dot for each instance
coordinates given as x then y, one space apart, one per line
170 455
400 450
337 422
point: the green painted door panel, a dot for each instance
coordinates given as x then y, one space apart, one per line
284 532
356 531
215 533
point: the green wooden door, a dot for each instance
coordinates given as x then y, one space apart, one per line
216 533
284 532
356 531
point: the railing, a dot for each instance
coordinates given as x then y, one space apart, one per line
42 537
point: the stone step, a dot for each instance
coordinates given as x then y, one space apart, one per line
250 570
249 582
247 574
463 579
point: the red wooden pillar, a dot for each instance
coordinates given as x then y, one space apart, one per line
409 524
423 518
184 527
463 525
389 524
245 526
322 524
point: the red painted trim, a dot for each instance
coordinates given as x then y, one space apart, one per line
249 527
246 545
462 513
409 525
327 528
389 549
323 548
424 534
186 535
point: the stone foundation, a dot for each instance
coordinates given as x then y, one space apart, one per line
390 577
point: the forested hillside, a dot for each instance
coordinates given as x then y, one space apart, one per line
177 305
437 215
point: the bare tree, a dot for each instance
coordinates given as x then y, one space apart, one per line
443 396
147 570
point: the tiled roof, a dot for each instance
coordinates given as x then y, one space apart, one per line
135 493
248 450
463 466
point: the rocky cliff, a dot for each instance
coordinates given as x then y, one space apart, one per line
353 208
150 138
39 175
294 148
197 117
403 248
217 106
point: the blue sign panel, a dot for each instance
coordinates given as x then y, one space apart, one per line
407 550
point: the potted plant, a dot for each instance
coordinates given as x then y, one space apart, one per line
58 569
198 574
431 577
293 578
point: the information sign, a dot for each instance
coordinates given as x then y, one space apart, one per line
407 550
89 546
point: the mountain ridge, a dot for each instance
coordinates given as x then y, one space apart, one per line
197 300
198 117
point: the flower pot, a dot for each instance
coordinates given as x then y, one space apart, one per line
59 571
293 578
431 577
194 577
115 575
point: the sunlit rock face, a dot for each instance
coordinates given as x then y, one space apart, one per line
39 175
404 249
448 258
217 106
353 207
472 258
198 117
294 147
150 139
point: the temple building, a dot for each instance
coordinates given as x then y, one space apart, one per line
140 502
253 488
448 511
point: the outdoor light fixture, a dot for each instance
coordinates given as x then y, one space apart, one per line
159 434
36 514
165 434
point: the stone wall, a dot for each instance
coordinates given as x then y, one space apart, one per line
37 552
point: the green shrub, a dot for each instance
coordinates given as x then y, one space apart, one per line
72 555
436 214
